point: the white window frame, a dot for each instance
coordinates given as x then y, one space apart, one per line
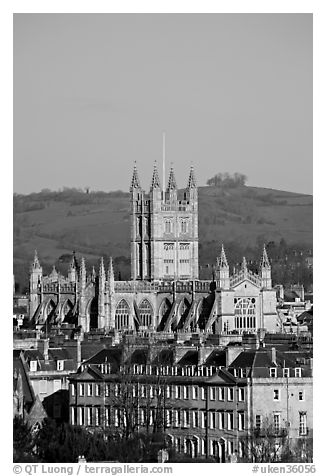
241 394
82 390
221 394
278 394
286 372
195 393
60 365
230 393
72 388
33 365
303 423
89 389
273 372
301 393
97 390
297 372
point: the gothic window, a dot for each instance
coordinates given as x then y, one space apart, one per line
184 226
146 313
168 226
245 314
139 226
122 314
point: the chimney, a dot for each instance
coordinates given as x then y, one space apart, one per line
273 354
46 350
78 352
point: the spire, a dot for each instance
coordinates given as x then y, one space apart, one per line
36 263
223 261
102 269
244 264
135 183
73 262
83 269
172 184
264 263
110 270
155 178
93 274
192 180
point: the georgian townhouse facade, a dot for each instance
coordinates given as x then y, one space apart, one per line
280 392
202 410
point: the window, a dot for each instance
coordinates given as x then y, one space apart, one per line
168 226
241 394
145 313
178 391
72 388
195 419
89 416
107 390
168 391
73 415
169 416
60 364
302 423
273 372
33 365
276 421
186 418
241 421
286 373
81 415
297 372
276 394
186 392
245 314
89 390
122 315
230 394
97 416
203 393
258 422
195 393
301 398
221 394
230 420
212 393
81 389
97 390
213 420
177 417
107 416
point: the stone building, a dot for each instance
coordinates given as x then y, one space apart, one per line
164 293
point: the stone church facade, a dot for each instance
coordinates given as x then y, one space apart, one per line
165 293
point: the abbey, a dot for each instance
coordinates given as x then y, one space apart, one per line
165 293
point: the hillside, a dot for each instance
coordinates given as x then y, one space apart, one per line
96 224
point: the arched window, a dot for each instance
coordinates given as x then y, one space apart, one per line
122 314
168 226
146 313
245 314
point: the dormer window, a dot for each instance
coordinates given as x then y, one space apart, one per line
286 373
60 365
297 372
273 372
33 365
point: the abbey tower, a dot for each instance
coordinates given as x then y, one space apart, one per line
164 230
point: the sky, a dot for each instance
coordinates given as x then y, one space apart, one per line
94 92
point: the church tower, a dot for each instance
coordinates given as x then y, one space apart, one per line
265 271
164 229
35 285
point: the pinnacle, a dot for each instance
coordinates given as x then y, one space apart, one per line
192 180
155 179
172 184
265 261
135 183
223 260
